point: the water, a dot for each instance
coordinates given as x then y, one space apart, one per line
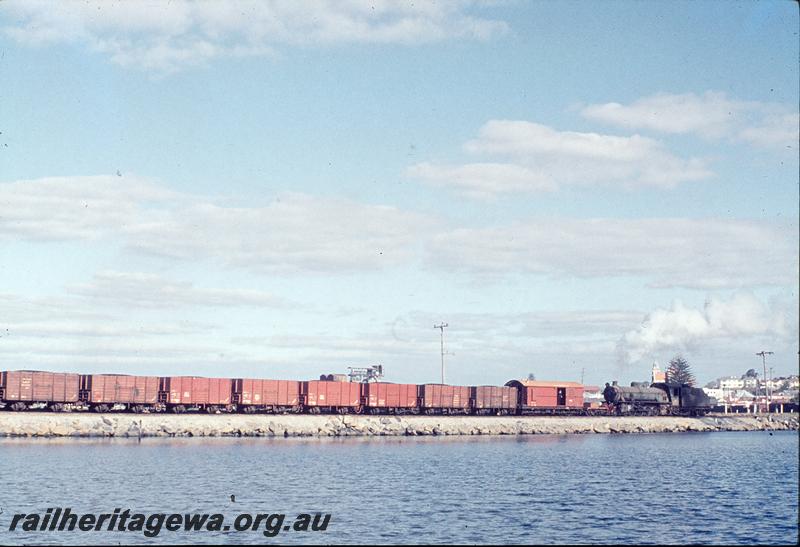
717 488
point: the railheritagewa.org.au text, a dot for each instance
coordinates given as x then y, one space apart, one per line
60 519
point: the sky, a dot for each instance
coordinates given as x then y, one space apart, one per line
286 189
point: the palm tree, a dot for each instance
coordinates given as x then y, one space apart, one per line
679 371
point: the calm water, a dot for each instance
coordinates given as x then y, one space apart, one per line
673 488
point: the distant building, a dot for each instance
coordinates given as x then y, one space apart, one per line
731 383
717 393
775 384
592 395
657 374
750 382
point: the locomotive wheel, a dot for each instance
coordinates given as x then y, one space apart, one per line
212 409
100 408
178 409
138 409
19 406
57 407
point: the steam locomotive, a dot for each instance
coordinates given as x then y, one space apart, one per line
657 399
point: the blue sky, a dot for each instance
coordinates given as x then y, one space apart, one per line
283 189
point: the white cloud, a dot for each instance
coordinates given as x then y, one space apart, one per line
154 291
295 232
680 328
484 180
699 253
302 234
167 36
773 130
62 208
711 115
535 157
82 334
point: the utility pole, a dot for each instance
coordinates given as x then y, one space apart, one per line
583 370
441 327
763 355
769 383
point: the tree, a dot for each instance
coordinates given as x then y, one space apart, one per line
679 371
531 376
751 373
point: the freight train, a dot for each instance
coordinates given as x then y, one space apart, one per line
38 390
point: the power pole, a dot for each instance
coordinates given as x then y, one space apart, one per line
441 327
763 355
583 369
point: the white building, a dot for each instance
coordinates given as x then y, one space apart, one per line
657 375
750 382
715 392
774 384
731 383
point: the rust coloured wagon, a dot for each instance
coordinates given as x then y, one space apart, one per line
544 397
494 399
385 397
254 395
444 399
183 393
322 396
104 392
23 389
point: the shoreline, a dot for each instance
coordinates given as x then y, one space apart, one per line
269 425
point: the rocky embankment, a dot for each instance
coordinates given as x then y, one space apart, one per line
33 424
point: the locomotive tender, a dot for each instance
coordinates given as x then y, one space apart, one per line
39 390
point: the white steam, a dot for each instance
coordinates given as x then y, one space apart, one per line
681 328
